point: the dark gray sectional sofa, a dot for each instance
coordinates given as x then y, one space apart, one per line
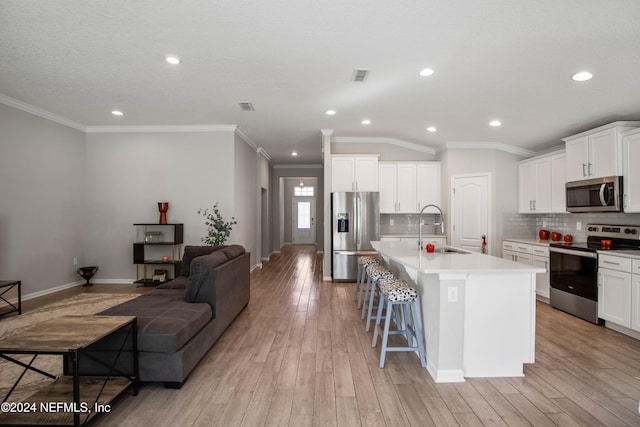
180 320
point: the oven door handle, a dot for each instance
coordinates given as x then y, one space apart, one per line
592 255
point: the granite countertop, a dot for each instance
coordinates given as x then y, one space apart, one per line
434 263
411 235
529 241
623 253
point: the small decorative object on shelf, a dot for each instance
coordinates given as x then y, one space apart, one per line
218 229
483 247
163 207
157 244
87 273
160 275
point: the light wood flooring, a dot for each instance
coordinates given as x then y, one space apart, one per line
298 356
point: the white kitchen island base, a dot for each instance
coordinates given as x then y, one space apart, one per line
478 311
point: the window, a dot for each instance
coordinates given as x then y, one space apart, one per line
304 215
303 191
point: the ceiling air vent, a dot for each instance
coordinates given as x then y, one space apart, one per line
360 74
246 106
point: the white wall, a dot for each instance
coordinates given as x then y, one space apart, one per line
245 192
128 173
42 174
503 168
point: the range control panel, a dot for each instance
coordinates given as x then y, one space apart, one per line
614 231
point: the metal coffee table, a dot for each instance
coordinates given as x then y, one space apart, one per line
72 399
9 306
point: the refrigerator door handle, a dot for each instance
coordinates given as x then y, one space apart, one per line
355 220
356 236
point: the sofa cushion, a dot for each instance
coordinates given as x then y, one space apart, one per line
232 251
165 321
192 252
201 286
179 282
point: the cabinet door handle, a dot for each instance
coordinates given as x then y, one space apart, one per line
610 262
534 205
590 173
584 166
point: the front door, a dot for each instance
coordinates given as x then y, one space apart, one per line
304 220
470 211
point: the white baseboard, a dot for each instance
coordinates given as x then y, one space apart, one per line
58 288
253 267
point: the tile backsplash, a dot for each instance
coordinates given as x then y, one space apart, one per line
408 223
527 226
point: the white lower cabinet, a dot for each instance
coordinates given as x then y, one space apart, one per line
614 289
635 294
532 254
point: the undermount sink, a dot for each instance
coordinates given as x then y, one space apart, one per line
450 251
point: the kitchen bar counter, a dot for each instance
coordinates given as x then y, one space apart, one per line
478 311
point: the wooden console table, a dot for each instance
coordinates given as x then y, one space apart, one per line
6 286
71 399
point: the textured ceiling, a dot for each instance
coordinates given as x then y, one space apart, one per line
510 60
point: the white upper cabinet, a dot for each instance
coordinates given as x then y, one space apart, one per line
535 186
428 186
354 173
631 180
388 187
541 184
558 180
596 153
406 187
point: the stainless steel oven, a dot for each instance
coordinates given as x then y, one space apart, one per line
574 281
573 268
595 195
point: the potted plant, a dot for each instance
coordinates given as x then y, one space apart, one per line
218 228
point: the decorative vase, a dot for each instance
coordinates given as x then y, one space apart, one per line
87 273
163 207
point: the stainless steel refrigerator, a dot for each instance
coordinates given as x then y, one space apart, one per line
355 222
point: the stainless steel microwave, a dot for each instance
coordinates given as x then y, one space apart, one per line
595 195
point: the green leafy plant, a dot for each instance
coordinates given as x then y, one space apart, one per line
218 228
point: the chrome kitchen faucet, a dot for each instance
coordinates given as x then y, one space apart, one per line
441 223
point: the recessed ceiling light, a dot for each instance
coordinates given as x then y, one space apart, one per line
582 76
173 60
495 123
431 129
366 122
426 72
294 153
330 112
117 113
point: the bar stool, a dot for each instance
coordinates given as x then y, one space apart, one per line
398 296
375 273
363 263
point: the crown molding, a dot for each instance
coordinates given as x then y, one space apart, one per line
161 128
298 166
264 154
41 113
382 140
487 146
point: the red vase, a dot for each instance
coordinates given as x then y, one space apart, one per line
163 207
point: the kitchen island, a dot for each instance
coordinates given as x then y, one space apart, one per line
478 311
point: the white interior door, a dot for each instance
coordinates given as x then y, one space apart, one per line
470 203
304 220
